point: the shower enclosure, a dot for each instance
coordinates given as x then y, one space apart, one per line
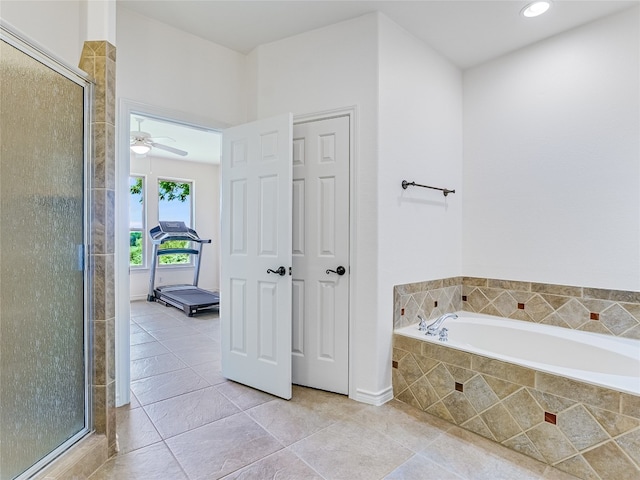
44 306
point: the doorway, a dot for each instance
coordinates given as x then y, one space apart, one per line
178 132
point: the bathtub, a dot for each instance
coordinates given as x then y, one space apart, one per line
602 360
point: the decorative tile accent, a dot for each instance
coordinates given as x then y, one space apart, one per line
550 418
594 316
459 387
521 306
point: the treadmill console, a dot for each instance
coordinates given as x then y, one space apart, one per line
173 227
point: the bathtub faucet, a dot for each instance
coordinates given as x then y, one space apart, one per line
433 329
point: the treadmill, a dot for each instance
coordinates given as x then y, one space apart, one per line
188 298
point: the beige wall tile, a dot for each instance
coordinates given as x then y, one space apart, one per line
609 461
550 442
504 371
524 409
582 430
580 392
613 423
500 422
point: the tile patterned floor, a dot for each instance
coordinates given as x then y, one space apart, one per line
186 421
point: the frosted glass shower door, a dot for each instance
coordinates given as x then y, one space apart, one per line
43 378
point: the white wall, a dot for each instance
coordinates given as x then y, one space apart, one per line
165 67
420 139
206 200
324 69
59 26
552 160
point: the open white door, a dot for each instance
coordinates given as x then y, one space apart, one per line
321 254
255 287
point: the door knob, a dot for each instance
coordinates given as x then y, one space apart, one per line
280 271
340 270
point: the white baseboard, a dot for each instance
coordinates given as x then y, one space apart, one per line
374 398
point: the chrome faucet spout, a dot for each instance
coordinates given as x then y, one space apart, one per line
434 328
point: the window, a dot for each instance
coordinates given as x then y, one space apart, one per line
174 204
136 221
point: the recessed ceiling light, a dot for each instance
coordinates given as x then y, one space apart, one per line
536 8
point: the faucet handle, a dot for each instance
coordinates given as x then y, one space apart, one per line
444 334
422 326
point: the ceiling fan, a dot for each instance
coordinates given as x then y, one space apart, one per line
142 142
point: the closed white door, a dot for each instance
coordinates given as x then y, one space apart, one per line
320 344
255 290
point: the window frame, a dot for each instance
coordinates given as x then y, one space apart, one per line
143 229
192 219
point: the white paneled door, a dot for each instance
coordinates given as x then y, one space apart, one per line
320 345
282 324
255 290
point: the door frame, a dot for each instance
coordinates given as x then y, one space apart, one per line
352 113
126 108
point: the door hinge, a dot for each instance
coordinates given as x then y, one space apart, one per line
289 271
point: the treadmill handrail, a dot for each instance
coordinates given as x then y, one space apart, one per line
172 251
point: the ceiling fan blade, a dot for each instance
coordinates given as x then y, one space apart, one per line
177 151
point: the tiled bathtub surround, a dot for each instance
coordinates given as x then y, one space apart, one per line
588 431
612 312
430 299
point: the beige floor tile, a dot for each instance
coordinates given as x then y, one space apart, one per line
135 328
135 430
210 371
142 307
202 354
222 447
167 385
282 465
191 410
289 421
150 366
338 406
419 468
350 451
476 462
150 463
408 426
242 396
140 337
158 321
173 332
191 342
145 350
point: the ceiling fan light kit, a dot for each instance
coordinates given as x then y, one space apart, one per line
142 142
139 147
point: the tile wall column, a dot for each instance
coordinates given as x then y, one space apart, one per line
98 59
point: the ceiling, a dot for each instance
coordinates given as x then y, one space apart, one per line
467 32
